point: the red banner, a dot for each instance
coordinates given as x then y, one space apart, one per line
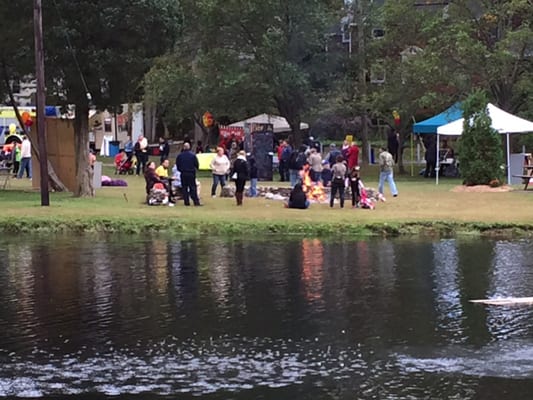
229 133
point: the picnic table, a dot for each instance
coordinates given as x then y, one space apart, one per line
526 176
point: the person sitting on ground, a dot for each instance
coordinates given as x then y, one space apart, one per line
298 198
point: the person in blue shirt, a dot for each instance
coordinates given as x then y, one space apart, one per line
128 148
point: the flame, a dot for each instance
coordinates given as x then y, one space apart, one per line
314 191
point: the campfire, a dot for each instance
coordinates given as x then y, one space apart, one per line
314 191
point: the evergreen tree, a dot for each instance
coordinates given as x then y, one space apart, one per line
480 147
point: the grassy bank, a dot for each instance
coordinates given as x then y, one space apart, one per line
422 207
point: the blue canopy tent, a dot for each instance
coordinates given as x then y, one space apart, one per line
430 125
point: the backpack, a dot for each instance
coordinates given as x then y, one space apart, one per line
293 159
332 159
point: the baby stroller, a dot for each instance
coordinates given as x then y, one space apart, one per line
158 195
125 166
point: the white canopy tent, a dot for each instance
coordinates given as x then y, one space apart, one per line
502 122
280 124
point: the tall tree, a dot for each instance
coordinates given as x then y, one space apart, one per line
490 43
17 63
98 52
404 74
250 55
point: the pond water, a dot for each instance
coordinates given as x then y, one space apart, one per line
267 318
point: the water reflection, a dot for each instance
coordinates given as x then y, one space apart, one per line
314 318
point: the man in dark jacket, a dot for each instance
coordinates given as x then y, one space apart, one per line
187 164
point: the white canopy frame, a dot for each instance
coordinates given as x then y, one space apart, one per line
503 122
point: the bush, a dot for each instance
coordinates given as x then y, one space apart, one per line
480 146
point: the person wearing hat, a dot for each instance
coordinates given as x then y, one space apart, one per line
326 174
240 173
331 158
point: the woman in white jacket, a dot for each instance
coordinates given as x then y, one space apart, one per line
220 166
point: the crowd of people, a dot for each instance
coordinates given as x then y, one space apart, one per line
182 182
339 169
18 156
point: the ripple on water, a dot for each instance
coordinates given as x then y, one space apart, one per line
194 367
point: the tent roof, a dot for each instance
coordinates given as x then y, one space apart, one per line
430 125
502 121
280 124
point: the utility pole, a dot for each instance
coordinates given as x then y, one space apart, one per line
360 13
39 72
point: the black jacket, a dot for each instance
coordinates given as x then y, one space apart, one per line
242 169
187 162
297 198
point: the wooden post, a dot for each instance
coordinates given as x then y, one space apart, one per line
39 72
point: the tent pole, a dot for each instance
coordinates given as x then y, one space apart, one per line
412 156
508 161
437 165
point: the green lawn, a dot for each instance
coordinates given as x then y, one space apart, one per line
420 202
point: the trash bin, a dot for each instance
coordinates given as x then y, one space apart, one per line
114 148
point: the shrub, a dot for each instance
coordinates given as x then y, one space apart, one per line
480 146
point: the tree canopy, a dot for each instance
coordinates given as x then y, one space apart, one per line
240 57
103 48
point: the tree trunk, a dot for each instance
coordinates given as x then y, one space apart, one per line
401 166
84 173
205 132
288 111
364 138
53 180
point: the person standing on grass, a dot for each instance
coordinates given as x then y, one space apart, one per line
353 156
315 162
141 153
128 148
253 176
17 157
284 157
354 180
25 158
386 171
240 173
164 149
338 182
220 166
187 164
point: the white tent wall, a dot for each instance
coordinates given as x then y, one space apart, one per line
502 121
